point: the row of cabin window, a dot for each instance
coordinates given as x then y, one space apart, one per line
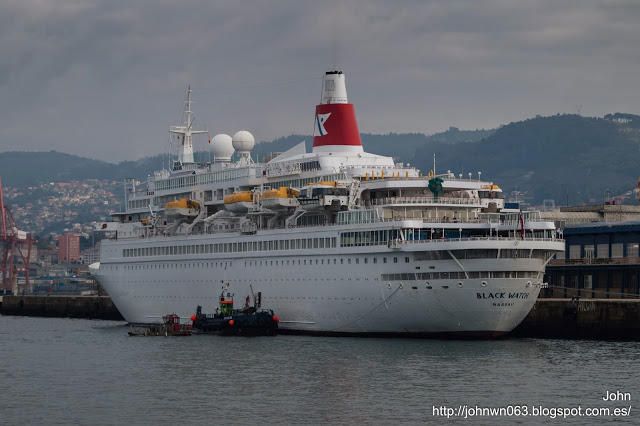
226 175
484 254
299 183
179 265
458 275
287 262
138 204
372 238
368 238
336 261
246 246
504 254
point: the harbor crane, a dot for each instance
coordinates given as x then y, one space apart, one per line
15 245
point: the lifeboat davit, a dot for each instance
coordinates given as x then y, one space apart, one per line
183 207
280 199
238 202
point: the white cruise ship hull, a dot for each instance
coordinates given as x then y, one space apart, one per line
372 290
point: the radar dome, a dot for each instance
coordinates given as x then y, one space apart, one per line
243 141
222 147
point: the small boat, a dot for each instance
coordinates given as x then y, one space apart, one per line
280 199
183 207
227 321
238 202
170 326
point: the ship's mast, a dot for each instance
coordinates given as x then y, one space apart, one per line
184 133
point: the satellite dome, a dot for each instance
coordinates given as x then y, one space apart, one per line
222 147
243 141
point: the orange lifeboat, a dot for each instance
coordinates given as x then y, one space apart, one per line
280 199
183 207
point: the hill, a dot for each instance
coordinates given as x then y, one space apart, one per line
568 158
28 168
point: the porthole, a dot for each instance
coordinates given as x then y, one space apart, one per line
528 284
460 284
483 284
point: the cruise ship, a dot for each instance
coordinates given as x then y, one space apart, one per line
337 241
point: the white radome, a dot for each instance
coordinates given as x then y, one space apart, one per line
222 147
243 141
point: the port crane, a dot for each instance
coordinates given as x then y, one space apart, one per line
14 245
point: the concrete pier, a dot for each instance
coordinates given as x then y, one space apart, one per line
89 307
606 319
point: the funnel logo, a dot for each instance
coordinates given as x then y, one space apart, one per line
319 127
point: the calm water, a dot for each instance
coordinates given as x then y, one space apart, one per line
62 371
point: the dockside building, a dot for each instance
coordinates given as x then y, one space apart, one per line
601 260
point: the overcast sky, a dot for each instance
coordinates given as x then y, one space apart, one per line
105 78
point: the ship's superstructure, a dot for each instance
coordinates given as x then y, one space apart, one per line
337 240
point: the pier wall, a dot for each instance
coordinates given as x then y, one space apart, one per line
89 307
608 319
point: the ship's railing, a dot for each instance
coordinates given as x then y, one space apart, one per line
516 219
479 238
375 216
423 200
381 167
397 243
425 220
426 223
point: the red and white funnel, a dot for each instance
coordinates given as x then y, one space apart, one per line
336 128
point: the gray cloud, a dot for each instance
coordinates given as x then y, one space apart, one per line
105 78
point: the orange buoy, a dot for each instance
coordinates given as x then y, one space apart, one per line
193 317
275 318
231 322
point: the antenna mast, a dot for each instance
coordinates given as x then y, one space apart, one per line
184 133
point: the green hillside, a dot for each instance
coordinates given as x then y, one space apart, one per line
563 157
29 168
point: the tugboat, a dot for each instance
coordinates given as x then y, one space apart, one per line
227 321
170 326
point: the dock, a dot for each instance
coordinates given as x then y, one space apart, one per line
88 307
603 319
